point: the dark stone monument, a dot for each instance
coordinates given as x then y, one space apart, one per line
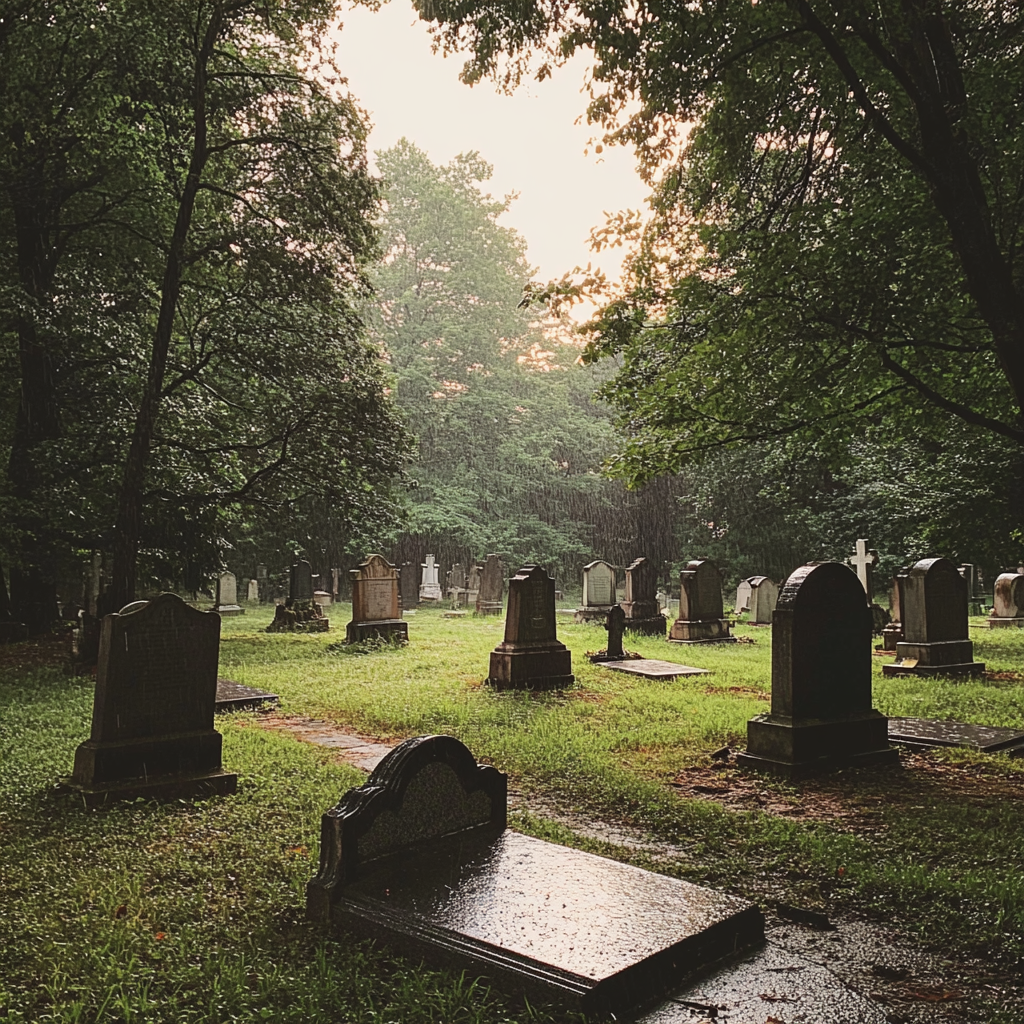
643 613
152 722
301 613
821 714
615 623
376 611
1008 601
701 616
892 632
934 613
598 592
531 656
300 581
420 857
473 584
492 585
410 585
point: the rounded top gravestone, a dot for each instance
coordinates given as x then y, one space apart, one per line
934 605
1009 595
700 596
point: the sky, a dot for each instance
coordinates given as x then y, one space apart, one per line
531 138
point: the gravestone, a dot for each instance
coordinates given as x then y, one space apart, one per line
322 598
492 585
430 588
457 585
821 715
410 586
598 592
972 575
929 733
934 613
262 582
253 592
892 632
473 585
643 614
420 857
863 560
376 609
742 597
701 618
764 596
615 624
152 722
227 595
1008 601
531 656
300 581
335 583
301 612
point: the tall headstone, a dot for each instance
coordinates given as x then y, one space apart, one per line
934 614
473 584
863 560
742 597
262 582
892 632
152 723
531 656
457 584
1008 601
410 585
701 616
376 609
492 585
643 613
227 595
615 623
253 591
598 592
301 612
821 715
300 581
430 588
764 596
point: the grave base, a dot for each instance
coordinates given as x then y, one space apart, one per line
998 622
653 625
384 629
488 608
100 763
225 611
593 614
891 636
798 748
164 787
694 631
539 667
945 658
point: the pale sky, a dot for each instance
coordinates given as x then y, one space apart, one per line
530 138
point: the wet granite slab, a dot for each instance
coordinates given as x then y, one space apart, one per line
923 733
650 668
232 696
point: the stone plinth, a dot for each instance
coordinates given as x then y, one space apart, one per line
643 613
701 615
821 714
376 608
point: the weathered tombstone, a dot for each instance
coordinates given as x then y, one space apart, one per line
892 631
821 714
742 597
420 856
376 611
152 723
430 589
764 596
410 586
492 581
301 612
598 592
863 560
300 581
531 656
701 614
253 591
473 585
262 582
1008 601
335 583
934 615
227 595
322 598
615 624
643 614
457 584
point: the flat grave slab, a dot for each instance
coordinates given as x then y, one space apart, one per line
650 668
924 733
232 696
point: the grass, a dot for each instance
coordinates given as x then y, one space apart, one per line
193 911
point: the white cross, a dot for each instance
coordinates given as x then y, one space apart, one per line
863 559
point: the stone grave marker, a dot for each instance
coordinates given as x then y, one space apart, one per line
152 723
457 584
430 588
1008 601
232 696
421 858
376 609
821 715
892 631
227 595
742 597
253 591
934 618
300 581
492 585
409 585
531 656
701 615
972 575
764 596
863 560
927 733
262 582
643 614
598 592
301 612
473 584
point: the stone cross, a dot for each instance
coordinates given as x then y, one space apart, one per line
862 560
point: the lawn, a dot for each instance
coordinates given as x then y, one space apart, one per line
192 911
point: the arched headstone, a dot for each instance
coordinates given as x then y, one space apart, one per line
376 608
227 595
1008 601
598 592
701 611
643 613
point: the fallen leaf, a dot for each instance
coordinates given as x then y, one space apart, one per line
160 935
122 911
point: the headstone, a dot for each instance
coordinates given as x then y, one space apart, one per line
301 612
615 624
643 614
322 598
152 723
492 580
1008 601
764 596
531 656
430 589
253 592
335 583
863 559
263 583
300 581
934 613
742 597
376 610
892 633
409 585
473 585
821 715
420 857
227 595
701 616
598 592
457 584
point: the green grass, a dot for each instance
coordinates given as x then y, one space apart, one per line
193 911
